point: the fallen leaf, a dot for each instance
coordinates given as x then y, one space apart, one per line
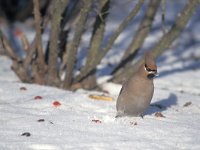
27 134
133 123
106 92
187 104
40 120
37 97
50 122
96 121
23 88
101 97
159 114
56 103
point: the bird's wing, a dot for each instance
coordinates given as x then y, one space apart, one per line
121 90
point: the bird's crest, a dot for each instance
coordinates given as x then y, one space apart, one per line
150 63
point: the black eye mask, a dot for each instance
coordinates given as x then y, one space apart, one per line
151 76
149 70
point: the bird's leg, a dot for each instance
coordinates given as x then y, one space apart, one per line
119 114
142 116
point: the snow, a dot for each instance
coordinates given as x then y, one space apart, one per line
84 123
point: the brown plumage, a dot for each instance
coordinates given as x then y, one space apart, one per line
137 92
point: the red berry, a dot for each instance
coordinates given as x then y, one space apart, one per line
96 121
23 88
159 114
38 97
56 103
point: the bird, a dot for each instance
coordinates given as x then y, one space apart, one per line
136 93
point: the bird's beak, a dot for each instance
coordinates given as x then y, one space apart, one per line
156 74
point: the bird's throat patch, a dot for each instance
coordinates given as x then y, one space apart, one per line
150 76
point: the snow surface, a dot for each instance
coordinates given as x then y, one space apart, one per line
84 123
81 122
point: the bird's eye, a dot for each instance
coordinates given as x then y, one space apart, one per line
148 69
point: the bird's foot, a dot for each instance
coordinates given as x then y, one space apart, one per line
142 116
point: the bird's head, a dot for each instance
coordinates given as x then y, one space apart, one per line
150 66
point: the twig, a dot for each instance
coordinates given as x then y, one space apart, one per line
25 43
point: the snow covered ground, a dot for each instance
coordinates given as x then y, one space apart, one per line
30 118
34 117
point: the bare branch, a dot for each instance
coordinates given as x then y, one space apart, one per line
17 62
121 27
2 49
165 42
140 35
39 70
71 56
32 47
9 50
58 8
24 41
18 68
38 31
163 15
29 54
72 23
97 35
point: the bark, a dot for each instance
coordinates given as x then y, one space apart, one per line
98 32
66 45
39 67
164 43
71 54
29 55
95 42
69 16
140 35
38 31
58 8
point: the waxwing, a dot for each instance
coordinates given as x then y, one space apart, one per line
137 92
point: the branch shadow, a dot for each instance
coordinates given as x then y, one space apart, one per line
191 66
162 105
